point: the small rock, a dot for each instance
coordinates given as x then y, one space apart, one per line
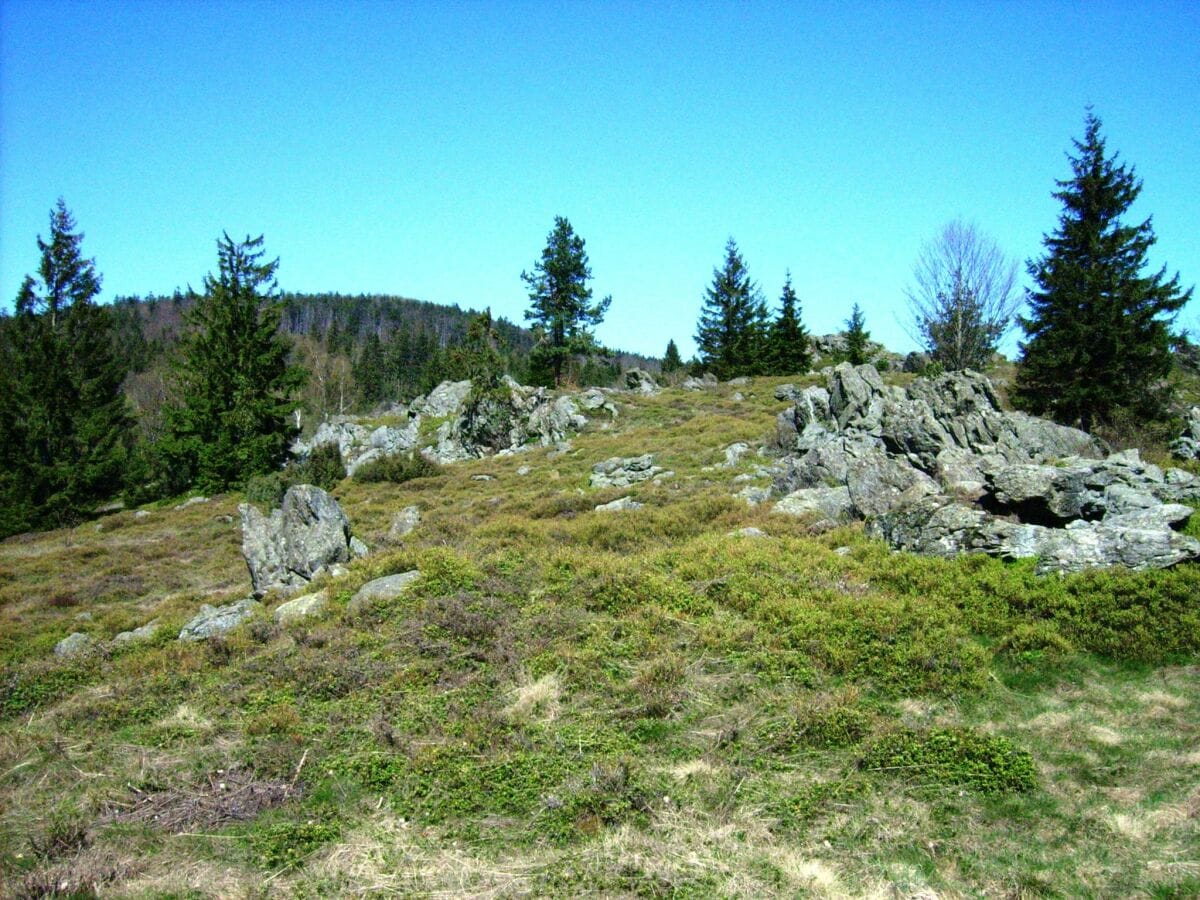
145 633
618 505
191 501
404 522
524 470
73 644
734 453
387 588
357 548
823 502
754 495
482 478
218 619
142 514
622 472
337 570
842 551
738 397
750 532
301 607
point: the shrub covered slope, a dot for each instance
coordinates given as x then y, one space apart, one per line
648 702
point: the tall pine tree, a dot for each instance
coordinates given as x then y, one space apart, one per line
561 306
232 376
672 361
732 330
856 337
790 352
1097 336
63 441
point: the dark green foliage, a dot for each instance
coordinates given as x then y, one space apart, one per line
322 467
286 845
789 351
370 371
397 468
856 337
233 378
947 756
480 356
1097 335
672 362
65 426
561 307
732 332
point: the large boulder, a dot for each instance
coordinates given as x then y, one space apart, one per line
287 549
640 382
381 590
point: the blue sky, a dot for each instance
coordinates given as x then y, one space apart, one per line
423 149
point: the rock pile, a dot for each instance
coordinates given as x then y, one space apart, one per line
622 472
940 468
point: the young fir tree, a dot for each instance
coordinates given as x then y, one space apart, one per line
672 361
731 333
561 308
1097 336
856 337
66 427
233 380
789 342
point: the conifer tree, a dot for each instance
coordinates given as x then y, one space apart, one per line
856 337
561 308
370 370
232 376
789 342
672 361
1097 336
731 333
65 423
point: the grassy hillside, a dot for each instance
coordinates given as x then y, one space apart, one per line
643 703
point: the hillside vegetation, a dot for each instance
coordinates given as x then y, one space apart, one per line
653 702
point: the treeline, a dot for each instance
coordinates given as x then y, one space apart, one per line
207 390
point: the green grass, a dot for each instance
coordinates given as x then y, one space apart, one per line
568 702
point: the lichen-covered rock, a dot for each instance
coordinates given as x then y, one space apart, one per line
285 550
706 382
301 608
73 645
823 503
212 620
619 505
640 382
404 522
622 472
144 633
382 589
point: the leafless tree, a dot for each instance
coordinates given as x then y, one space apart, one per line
964 297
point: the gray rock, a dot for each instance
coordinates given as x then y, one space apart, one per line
734 453
705 382
382 590
447 399
595 400
301 607
749 532
73 645
524 470
192 501
142 514
832 503
620 505
1042 495
877 482
144 633
737 397
754 495
1187 445
358 549
212 620
284 550
640 382
622 472
404 522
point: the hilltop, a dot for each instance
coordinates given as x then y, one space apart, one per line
696 696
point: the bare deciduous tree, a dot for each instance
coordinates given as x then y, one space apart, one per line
964 297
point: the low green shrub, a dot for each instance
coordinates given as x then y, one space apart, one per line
286 845
984 763
397 468
1035 637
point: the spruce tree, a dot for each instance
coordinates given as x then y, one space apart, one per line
233 380
370 371
66 425
1097 335
790 352
561 308
672 361
856 337
731 333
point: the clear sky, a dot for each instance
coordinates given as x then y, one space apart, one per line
423 149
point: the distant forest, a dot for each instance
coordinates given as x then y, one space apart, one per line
362 352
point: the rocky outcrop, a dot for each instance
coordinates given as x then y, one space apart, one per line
640 382
940 468
213 620
706 382
622 472
286 550
1187 445
358 443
